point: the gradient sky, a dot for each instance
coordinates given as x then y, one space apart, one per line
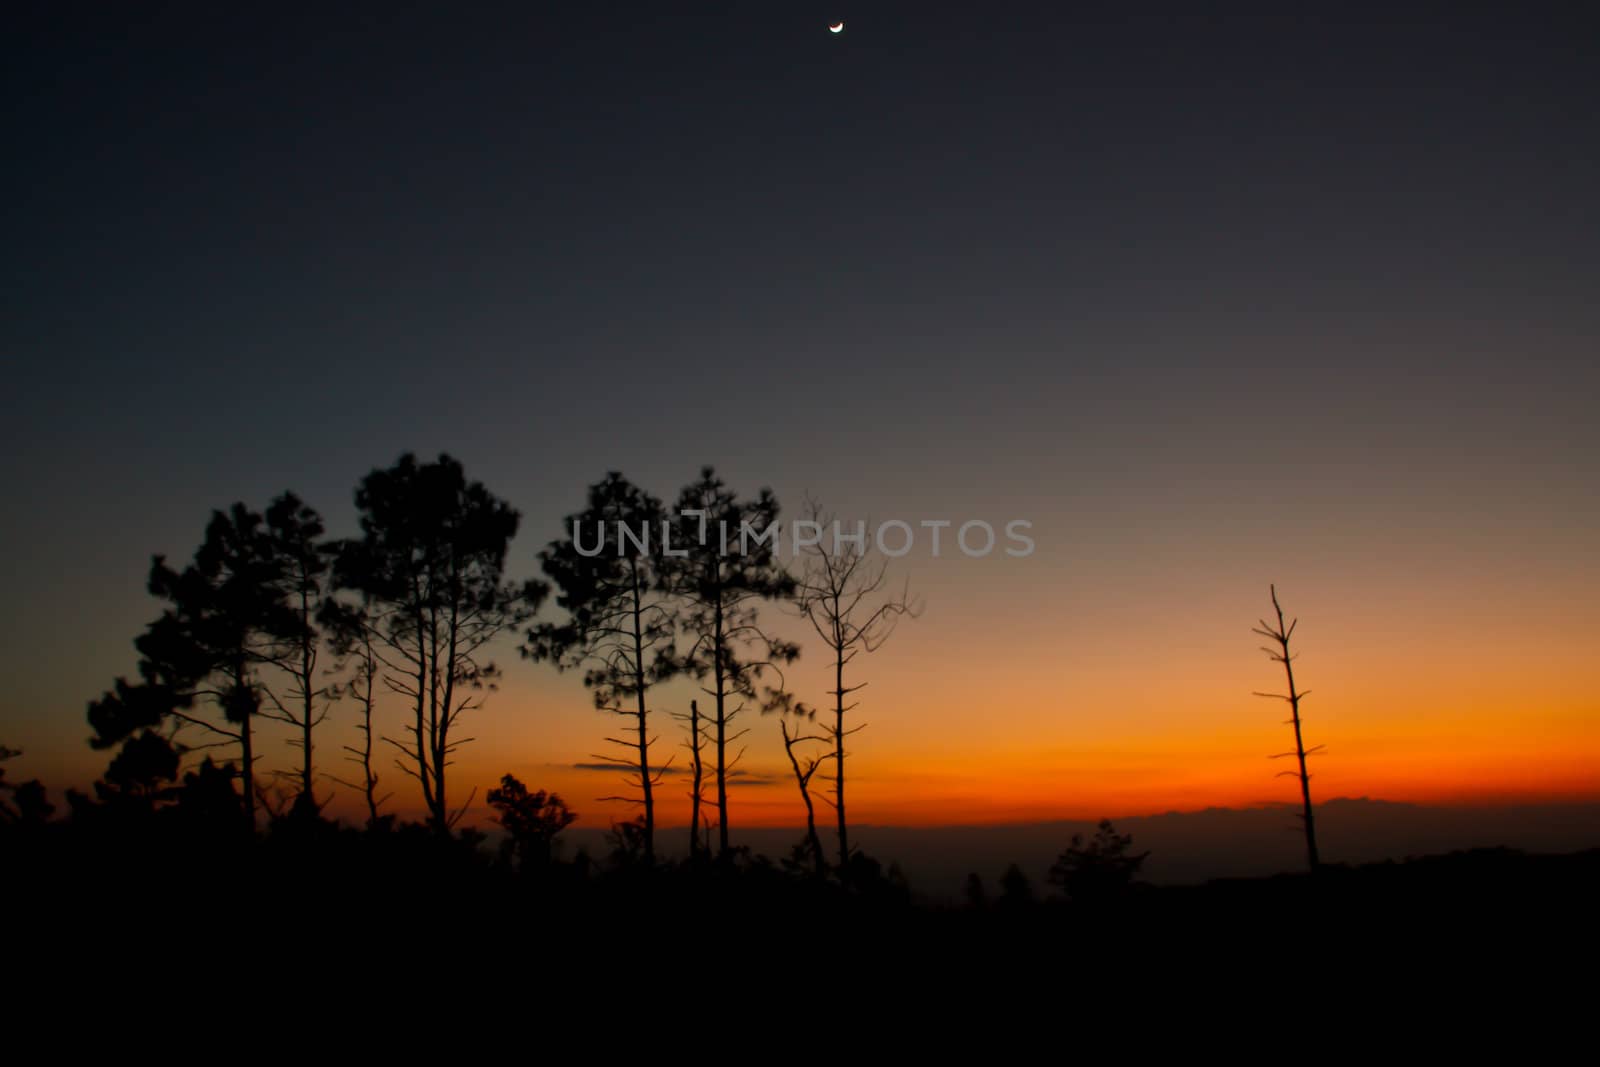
1212 300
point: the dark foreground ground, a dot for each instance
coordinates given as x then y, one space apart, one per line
378 909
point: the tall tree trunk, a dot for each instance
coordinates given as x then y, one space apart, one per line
1281 634
441 723
838 760
425 689
698 771
1300 755
248 757
802 779
369 780
813 839
247 754
307 672
722 737
644 737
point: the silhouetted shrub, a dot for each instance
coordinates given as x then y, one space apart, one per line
531 821
1099 869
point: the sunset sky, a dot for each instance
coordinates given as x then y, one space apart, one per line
1213 302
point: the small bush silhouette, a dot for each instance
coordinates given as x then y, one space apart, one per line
531 821
1015 889
1099 869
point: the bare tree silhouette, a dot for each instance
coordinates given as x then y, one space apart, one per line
727 567
430 568
841 592
805 767
1281 634
607 574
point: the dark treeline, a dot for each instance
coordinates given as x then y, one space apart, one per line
272 625
365 904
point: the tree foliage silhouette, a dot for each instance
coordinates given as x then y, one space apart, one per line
430 568
206 800
27 803
531 820
729 564
140 775
1016 891
1280 634
201 660
1097 869
842 592
607 574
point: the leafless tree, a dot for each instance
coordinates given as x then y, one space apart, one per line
805 767
1281 634
843 591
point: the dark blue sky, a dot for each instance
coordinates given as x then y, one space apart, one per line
361 228
1005 258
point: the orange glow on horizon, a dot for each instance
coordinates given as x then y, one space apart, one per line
991 783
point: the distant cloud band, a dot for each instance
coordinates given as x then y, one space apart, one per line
741 777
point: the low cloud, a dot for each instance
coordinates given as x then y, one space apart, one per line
737 777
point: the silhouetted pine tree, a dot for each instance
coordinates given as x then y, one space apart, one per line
200 662
606 570
304 574
729 564
430 568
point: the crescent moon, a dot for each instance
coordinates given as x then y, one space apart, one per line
837 27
